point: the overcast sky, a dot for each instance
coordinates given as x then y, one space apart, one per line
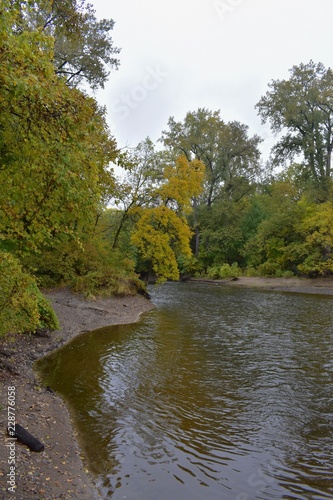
181 55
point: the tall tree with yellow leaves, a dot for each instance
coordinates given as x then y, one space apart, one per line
162 233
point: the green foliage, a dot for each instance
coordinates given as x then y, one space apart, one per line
55 147
317 244
83 47
97 271
269 268
302 106
23 308
224 271
251 271
296 237
223 232
55 155
189 266
162 234
107 282
87 266
47 316
232 166
230 156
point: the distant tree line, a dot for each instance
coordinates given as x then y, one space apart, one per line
252 218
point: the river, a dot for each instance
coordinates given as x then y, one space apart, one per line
220 393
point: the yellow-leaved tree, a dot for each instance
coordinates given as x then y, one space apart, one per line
161 233
316 230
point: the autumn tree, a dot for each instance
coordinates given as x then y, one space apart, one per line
230 156
162 234
55 146
315 250
232 166
301 108
83 47
142 172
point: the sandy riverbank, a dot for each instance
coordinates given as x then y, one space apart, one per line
323 286
59 471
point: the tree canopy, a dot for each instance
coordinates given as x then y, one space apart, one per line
302 109
162 233
55 154
230 156
83 49
55 146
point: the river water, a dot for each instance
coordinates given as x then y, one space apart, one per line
219 393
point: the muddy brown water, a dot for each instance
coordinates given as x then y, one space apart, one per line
218 393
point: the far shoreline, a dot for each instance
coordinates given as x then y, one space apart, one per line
320 286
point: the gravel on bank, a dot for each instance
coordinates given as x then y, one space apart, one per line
59 471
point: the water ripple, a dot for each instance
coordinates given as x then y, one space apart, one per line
218 393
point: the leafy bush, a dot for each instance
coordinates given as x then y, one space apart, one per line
23 308
252 272
227 271
268 268
189 266
272 269
106 282
224 271
284 274
213 272
47 317
88 267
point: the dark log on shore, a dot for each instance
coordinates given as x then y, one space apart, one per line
28 439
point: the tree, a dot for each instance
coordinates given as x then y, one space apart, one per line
223 232
135 189
230 156
83 46
55 147
303 108
162 233
278 215
316 249
55 175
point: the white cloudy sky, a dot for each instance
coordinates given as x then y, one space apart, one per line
179 55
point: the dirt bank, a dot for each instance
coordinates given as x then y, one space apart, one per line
59 471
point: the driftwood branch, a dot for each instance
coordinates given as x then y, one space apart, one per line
28 439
